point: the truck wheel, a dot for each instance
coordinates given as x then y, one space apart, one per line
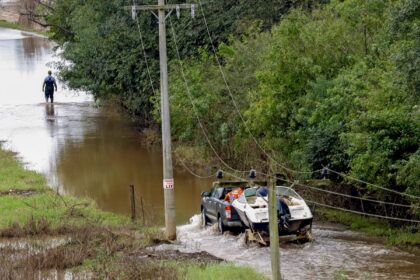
204 219
220 225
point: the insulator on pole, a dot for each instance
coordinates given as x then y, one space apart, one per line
133 12
219 174
192 10
178 11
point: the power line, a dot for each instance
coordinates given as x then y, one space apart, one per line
236 105
254 138
357 197
144 51
343 194
192 172
373 185
192 102
363 213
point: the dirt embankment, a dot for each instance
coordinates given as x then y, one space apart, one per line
16 12
37 249
9 12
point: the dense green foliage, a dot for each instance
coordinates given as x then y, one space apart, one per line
103 50
337 86
332 85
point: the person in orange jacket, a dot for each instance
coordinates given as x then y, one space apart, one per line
234 194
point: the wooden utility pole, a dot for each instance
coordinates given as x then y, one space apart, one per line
168 181
274 230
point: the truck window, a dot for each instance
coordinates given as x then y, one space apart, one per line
217 193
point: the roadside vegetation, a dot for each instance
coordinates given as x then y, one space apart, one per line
18 26
408 236
42 232
318 83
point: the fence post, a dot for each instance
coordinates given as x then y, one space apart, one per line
133 203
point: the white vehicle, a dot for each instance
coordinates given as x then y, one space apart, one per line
294 216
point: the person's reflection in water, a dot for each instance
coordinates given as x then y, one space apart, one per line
50 118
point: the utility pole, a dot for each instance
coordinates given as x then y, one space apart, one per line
274 230
168 181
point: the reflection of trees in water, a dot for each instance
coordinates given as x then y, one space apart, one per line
31 51
34 46
109 158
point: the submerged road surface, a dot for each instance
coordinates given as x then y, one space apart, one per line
89 151
82 149
336 253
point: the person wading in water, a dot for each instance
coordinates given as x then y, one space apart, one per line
48 87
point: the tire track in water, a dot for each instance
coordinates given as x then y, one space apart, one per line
334 251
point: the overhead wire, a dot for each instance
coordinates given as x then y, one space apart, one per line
236 170
363 213
174 38
189 95
224 163
192 172
373 185
254 138
144 50
343 194
153 88
236 105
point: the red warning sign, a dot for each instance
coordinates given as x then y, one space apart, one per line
168 184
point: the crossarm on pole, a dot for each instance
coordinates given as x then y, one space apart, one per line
159 7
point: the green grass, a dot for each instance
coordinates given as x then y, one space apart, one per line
407 236
28 213
13 25
46 204
13 176
221 272
58 211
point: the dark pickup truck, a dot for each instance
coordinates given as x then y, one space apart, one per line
214 209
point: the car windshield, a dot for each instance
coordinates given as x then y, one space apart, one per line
287 191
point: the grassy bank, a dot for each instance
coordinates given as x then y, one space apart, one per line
12 25
403 236
89 240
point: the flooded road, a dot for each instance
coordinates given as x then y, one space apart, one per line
83 150
95 152
336 253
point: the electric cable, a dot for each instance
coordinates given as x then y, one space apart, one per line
254 138
236 105
363 213
342 194
144 51
373 185
192 102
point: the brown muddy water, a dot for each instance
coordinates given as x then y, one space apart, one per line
83 150
89 151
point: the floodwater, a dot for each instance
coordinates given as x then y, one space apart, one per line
336 253
82 149
85 150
